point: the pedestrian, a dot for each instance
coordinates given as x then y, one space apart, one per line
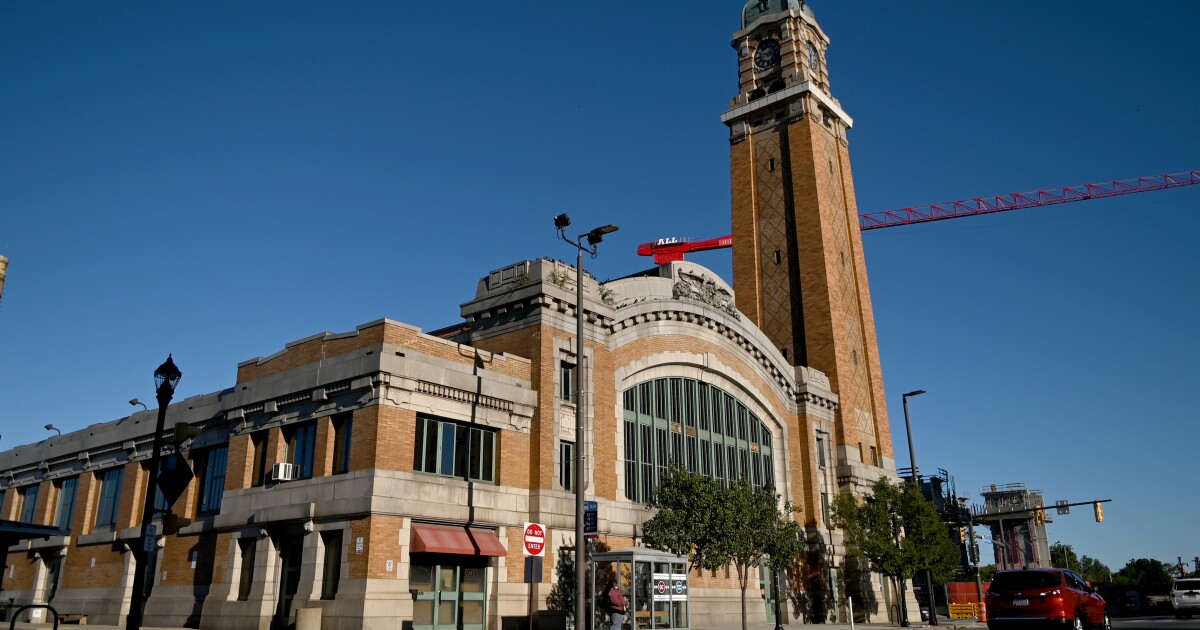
613 602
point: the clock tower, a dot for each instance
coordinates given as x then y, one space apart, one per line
798 267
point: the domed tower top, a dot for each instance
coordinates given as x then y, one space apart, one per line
758 8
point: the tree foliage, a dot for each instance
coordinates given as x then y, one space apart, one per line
897 531
1093 570
1150 576
688 519
716 526
1063 556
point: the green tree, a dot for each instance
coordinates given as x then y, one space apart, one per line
1063 556
1093 570
1150 576
716 526
753 528
687 522
987 572
897 531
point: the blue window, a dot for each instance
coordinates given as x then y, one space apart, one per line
301 445
66 503
213 486
29 496
110 499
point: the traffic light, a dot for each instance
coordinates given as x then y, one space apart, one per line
962 534
1039 517
1099 509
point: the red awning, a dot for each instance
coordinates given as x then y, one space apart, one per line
459 539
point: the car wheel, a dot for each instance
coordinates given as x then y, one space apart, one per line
1078 622
1107 622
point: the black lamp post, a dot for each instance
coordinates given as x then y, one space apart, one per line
561 222
166 377
916 479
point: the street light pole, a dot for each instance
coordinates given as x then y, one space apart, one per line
916 479
594 237
166 377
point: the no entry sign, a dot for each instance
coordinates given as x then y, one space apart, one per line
534 539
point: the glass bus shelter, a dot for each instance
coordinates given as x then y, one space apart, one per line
654 583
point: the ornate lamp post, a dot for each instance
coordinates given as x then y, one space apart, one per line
561 222
166 377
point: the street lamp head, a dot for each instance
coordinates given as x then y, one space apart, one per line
914 393
51 427
167 374
135 402
562 221
595 236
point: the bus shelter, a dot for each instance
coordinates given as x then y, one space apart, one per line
654 583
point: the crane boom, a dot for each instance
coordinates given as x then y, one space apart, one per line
1017 201
667 250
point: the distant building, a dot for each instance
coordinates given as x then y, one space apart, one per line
1018 530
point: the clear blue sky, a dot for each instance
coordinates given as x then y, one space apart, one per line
218 179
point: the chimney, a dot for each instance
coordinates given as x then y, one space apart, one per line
3 272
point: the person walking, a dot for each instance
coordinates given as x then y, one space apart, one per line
613 602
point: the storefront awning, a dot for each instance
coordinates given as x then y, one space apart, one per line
459 539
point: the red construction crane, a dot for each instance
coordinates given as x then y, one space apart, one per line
667 250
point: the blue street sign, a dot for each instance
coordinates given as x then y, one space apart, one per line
591 520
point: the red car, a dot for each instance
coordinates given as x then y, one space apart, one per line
1057 596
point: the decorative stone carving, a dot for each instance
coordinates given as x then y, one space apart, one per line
700 287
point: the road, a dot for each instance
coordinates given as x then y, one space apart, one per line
1167 621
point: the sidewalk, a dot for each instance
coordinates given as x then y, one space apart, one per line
943 624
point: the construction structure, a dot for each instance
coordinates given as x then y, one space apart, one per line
1017 520
3 273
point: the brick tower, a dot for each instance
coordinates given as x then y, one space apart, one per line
798 266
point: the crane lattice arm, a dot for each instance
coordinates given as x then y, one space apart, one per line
667 250
1017 201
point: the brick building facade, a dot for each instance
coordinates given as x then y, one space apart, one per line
384 475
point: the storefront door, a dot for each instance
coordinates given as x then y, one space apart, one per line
449 593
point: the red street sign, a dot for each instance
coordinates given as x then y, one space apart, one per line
662 587
534 539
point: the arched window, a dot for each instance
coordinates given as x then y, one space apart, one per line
684 422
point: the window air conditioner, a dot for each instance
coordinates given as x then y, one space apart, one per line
283 471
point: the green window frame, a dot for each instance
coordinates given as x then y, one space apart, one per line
110 498
674 421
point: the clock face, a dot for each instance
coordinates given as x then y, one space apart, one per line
766 55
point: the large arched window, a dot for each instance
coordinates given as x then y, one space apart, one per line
684 422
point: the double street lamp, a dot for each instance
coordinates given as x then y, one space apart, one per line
166 377
594 237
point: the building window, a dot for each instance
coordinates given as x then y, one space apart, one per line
67 488
301 443
694 425
258 443
453 450
333 563
212 487
342 431
820 450
874 456
814 60
110 499
566 464
247 548
825 516
29 495
566 381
